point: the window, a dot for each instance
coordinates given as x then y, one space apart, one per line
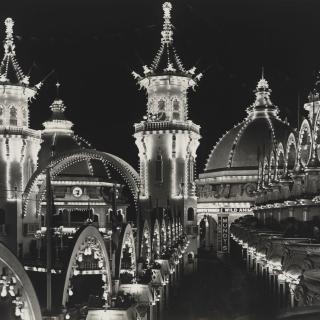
176 106
161 105
176 110
13 116
190 214
159 168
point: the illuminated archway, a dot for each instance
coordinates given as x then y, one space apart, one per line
89 246
146 242
156 240
272 166
15 284
65 160
304 143
316 133
291 152
280 165
266 172
169 232
163 236
126 256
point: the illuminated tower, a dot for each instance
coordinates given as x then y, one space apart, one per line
167 140
19 145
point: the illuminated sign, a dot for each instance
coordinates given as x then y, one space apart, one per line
223 234
223 210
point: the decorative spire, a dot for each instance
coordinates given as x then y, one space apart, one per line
263 93
167 60
9 45
57 87
167 26
58 122
263 101
9 58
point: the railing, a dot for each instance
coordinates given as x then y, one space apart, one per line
13 130
166 125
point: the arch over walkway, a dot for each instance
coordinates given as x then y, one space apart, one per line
127 242
65 160
156 239
146 242
25 300
88 242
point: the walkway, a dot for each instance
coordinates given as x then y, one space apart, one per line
219 291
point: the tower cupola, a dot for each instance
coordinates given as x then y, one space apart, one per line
263 105
58 122
166 79
14 85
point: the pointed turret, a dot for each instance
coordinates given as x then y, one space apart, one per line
167 60
263 103
166 138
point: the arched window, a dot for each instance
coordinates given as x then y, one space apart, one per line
1 116
162 116
190 214
159 168
176 110
161 105
13 116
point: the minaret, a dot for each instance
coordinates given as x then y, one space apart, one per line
19 145
167 140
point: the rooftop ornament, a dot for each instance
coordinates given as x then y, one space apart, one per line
9 67
166 60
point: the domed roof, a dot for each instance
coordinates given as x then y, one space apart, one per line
238 149
58 137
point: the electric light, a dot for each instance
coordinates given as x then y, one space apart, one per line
4 291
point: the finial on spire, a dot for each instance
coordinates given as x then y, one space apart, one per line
262 72
8 43
57 88
167 26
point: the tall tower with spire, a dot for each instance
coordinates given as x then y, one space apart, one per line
167 140
19 145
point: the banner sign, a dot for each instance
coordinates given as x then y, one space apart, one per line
223 210
223 234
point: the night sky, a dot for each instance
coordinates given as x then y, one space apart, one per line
94 45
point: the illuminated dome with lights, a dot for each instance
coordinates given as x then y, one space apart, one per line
240 147
228 185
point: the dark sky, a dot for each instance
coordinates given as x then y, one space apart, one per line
94 46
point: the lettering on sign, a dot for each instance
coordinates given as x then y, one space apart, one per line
223 234
226 210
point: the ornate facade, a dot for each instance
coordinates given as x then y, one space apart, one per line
227 188
167 140
280 244
66 209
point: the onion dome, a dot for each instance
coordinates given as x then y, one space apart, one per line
167 60
261 130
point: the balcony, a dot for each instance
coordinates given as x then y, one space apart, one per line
166 125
